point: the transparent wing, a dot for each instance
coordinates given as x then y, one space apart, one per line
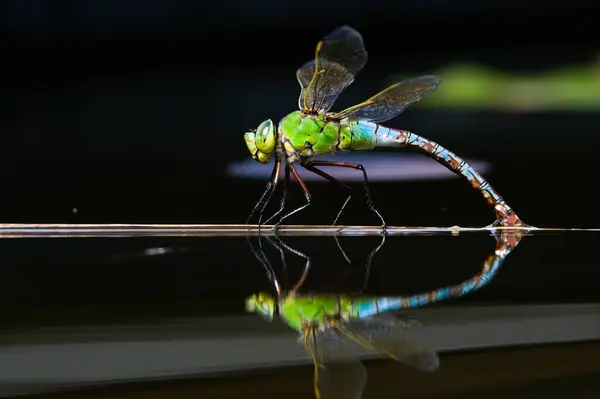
338 58
339 374
386 335
390 102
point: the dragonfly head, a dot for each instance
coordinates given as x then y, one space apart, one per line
261 142
263 304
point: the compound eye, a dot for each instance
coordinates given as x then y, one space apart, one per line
265 137
250 140
265 128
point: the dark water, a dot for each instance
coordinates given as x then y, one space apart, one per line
192 276
57 292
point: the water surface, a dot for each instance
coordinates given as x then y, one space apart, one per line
108 290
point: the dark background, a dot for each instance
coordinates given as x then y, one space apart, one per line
129 111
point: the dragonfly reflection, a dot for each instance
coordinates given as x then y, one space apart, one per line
331 326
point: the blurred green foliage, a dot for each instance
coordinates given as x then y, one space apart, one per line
471 86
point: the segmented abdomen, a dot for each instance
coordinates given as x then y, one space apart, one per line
363 135
370 307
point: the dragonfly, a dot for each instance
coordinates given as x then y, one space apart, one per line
331 326
313 130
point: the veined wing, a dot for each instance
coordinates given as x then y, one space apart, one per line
390 102
385 335
338 57
338 373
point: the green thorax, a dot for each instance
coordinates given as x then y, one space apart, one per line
307 135
303 310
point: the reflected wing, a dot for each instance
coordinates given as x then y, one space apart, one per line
386 335
339 374
338 57
390 102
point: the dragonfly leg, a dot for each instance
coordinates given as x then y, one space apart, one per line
262 258
266 197
337 242
307 265
370 260
505 216
365 182
303 277
279 246
286 181
310 166
306 195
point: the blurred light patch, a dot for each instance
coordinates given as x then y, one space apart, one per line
380 167
470 86
154 251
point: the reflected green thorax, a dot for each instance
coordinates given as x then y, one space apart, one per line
299 311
